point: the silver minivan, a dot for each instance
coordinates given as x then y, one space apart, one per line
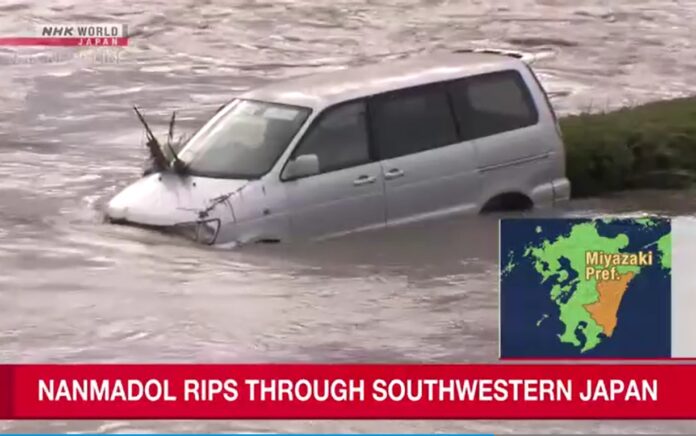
361 148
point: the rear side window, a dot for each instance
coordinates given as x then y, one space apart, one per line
492 103
412 121
338 138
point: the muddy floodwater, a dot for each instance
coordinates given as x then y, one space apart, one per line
75 289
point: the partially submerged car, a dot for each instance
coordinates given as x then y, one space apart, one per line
361 148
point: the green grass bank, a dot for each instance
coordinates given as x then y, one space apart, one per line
652 146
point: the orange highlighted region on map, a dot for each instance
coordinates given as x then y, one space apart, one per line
604 311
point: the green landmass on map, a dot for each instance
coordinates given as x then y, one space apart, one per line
664 246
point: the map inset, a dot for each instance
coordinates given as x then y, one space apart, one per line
585 288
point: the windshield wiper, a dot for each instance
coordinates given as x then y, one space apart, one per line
159 160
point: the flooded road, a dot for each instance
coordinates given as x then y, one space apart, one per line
75 289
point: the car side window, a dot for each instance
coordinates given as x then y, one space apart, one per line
338 138
492 103
412 121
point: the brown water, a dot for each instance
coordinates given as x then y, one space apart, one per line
75 289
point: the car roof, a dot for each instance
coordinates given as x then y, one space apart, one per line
317 91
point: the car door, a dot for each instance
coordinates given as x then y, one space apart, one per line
428 171
348 192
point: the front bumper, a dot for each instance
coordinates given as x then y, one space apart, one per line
204 232
176 204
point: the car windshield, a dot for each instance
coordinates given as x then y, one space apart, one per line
243 140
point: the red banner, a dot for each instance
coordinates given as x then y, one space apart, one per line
37 41
269 391
6 391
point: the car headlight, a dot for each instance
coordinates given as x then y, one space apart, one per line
204 232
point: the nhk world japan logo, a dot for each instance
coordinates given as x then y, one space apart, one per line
70 35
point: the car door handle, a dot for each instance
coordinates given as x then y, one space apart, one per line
393 174
364 180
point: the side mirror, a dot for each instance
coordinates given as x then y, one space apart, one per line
302 166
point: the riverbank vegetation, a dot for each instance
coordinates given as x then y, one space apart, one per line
652 146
